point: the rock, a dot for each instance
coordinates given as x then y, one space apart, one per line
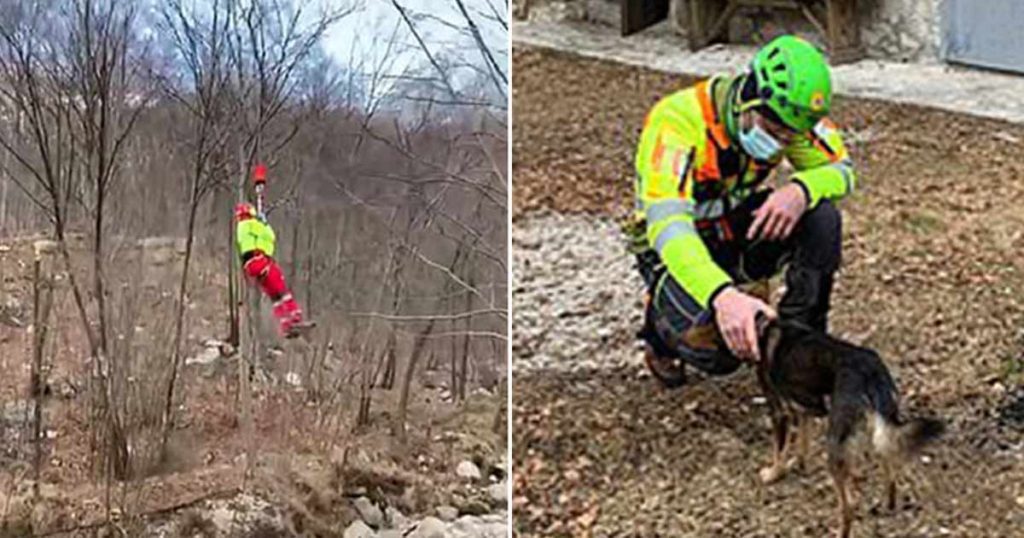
293 379
65 389
499 518
390 533
468 470
155 242
435 379
479 527
447 513
430 527
15 412
1006 137
498 493
241 513
496 473
44 246
358 529
474 507
395 518
226 350
205 357
370 513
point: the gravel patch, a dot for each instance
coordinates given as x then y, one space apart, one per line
577 298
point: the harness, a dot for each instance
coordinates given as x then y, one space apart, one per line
254 255
721 160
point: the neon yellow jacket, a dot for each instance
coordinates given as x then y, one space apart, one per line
689 170
252 234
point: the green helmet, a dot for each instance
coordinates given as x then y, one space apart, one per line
793 80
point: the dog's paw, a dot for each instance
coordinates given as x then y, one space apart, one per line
772 474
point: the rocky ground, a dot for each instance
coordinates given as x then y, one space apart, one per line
931 279
312 471
247 515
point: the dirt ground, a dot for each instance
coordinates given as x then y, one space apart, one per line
932 278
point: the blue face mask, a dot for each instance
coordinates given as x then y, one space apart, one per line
759 144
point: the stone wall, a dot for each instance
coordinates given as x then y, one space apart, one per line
902 29
898 30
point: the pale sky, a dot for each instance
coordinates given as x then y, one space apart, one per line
441 25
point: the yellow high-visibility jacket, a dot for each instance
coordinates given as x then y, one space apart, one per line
254 234
689 170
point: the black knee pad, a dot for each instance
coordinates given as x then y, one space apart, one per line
663 330
716 363
819 238
649 334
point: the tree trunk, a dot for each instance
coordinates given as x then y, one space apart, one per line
499 424
464 370
42 301
365 396
391 364
3 202
234 278
166 423
245 375
310 269
398 429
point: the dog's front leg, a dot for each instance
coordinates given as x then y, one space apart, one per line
772 473
803 432
780 433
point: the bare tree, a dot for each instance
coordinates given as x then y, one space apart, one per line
42 303
201 45
69 73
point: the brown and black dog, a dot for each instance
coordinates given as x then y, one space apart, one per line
804 374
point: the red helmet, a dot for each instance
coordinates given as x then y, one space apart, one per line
244 210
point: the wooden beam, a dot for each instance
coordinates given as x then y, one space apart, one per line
843 31
836 20
635 15
703 17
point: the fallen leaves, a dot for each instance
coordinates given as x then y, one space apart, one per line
932 278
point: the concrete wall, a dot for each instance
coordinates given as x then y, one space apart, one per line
900 30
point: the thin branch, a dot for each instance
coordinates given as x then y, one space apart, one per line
500 312
485 51
426 50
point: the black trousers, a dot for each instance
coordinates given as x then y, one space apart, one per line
812 253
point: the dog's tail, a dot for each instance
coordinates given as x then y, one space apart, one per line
892 436
906 439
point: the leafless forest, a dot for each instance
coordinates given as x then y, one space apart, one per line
141 373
